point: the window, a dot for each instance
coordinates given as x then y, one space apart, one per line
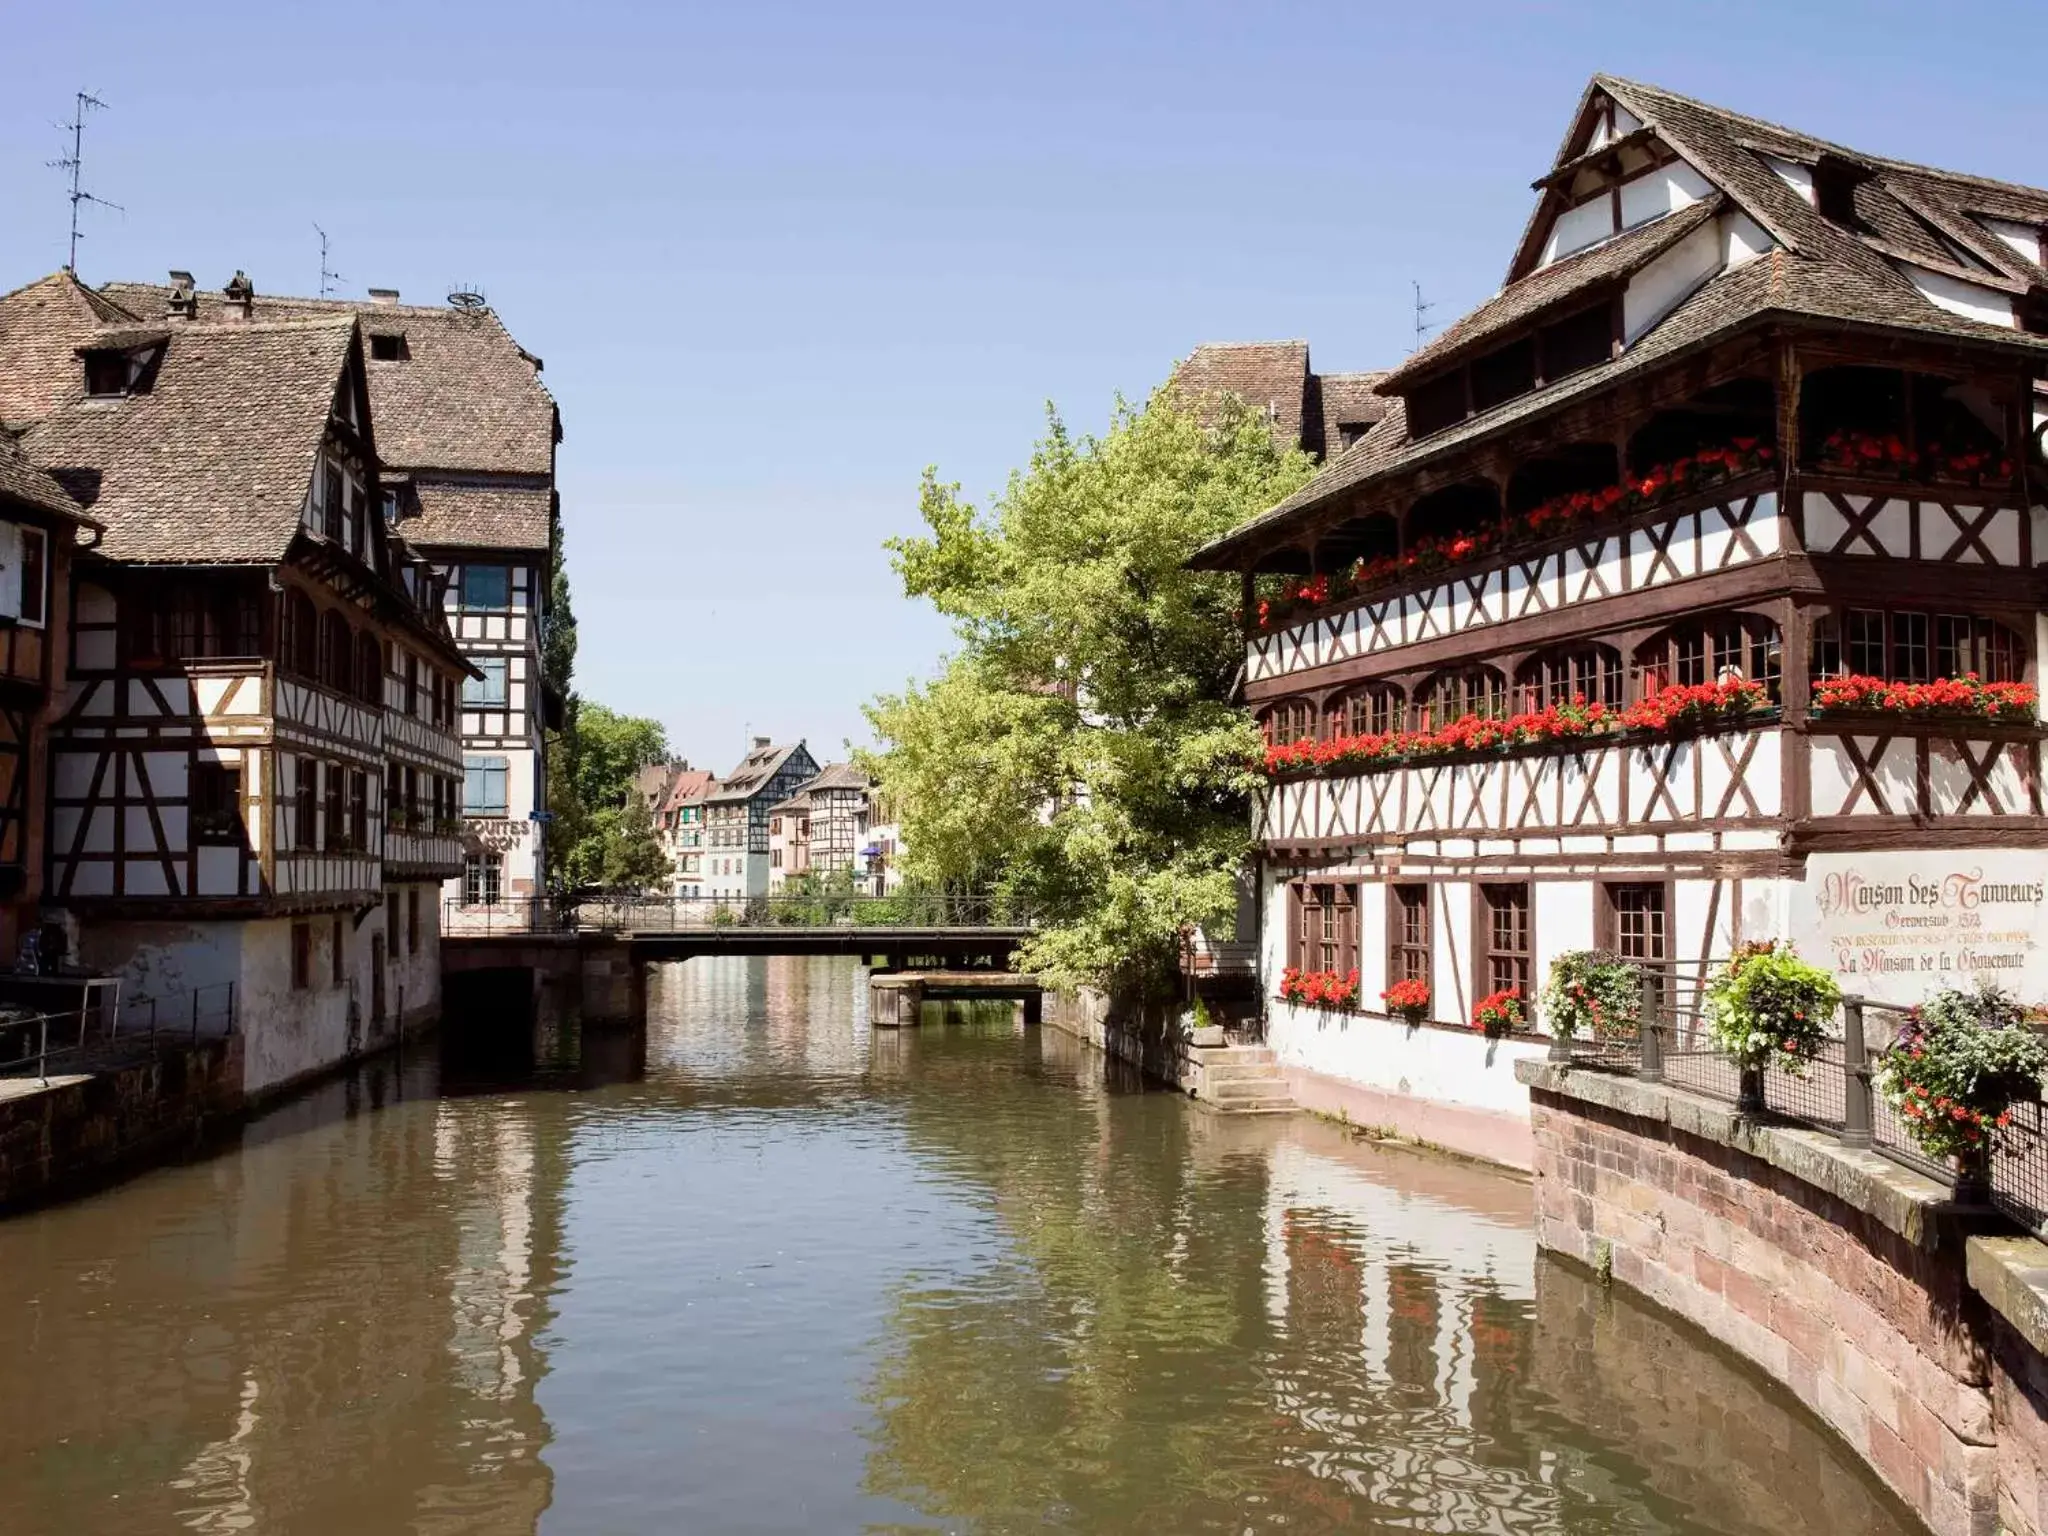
337 652
387 503
486 586
1437 404
370 668
1710 650
330 501
1577 342
1326 937
412 922
302 956
388 348
1591 673
1288 721
1408 936
1451 695
1907 646
391 922
306 804
358 810
1638 926
337 956
1507 938
216 803
106 373
358 507
394 800
412 684
484 791
336 832
1369 712
35 545
1504 373
490 688
302 635
409 798
480 879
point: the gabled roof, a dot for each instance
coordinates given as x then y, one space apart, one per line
836 776
755 771
22 482
466 397
1915 217
1562 285
42 325
213 462
473 515
688 786
1306 409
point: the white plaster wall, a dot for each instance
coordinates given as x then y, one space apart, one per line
420 974
1372 948
1960 298
1662 191
1659 288
1796 176
286 1034
1563 917
2024 238
1577 228
1743 240
1450 988
1443 1066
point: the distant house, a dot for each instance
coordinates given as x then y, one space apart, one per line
680 824
736 816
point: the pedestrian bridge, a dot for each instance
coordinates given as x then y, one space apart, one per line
602 945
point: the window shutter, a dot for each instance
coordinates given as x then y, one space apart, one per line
1295 919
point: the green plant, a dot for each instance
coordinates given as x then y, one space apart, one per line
1767 1005
1960 1062
1498 1014
1593 992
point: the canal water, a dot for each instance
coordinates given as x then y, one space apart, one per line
764 1270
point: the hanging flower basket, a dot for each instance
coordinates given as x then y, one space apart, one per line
1962 1059
1769 1008
1318 989
1592 992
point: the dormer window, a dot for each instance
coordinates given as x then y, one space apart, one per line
1835 181
389 348
106 373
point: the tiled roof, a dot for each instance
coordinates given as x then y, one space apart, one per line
1555 286
689 784
22 482
1269 376
837 776
477 514
466 397
1820 271
213 462
1350 400
753 773
42 325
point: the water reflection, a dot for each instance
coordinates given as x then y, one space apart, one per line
763 1269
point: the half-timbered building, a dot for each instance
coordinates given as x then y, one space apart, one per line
255 771
1688 592
468 436
40 523
736 817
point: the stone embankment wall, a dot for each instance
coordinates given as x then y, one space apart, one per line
79 1131
1148 1039
1842 1275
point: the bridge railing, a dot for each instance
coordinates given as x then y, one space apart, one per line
631 912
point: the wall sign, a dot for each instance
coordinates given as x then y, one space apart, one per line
1897 926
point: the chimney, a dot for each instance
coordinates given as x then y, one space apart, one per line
183 303
761 743
240 295
388 297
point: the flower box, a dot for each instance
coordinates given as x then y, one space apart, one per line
1966 697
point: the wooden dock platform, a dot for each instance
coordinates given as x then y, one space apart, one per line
894 997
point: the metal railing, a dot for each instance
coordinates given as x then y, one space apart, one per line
630 912
1835 1093
204 1013
31 1041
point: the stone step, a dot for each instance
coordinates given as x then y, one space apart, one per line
1215 1053
1241 1090
1239 1071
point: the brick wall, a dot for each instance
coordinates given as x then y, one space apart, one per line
1880 1337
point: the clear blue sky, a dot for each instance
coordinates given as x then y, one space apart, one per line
780 257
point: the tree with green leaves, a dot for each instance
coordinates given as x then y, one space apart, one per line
1080 751
607 836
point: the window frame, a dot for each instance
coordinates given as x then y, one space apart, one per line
482 698
1499 965
469 603
35 576
484 766
483 879
302 954
1404 947
214 814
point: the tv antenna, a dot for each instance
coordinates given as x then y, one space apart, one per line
1422 326
74 163
328 276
